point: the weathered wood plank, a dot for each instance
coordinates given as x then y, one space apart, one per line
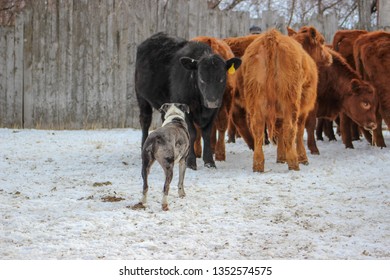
28 93
17 120
3 76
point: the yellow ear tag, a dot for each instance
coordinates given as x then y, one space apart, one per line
232 70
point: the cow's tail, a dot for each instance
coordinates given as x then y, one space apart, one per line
271 43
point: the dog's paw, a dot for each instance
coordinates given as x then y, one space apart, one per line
165 207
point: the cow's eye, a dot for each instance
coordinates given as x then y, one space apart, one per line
365 105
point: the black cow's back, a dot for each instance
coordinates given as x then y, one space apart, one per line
153 62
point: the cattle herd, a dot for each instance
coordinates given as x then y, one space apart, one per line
268 87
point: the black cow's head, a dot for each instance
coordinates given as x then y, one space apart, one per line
211 76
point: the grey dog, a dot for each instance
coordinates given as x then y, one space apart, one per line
168 144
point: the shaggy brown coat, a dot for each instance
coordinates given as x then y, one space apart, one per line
372 59
277 85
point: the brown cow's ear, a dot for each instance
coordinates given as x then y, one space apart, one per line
189 63
355 85
291 31
313 32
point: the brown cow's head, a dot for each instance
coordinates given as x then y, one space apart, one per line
361 104
313 43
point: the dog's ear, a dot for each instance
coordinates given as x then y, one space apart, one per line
184 108
164 108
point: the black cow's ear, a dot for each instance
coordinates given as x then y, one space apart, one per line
189 63
233 63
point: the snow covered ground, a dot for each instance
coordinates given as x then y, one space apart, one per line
68 195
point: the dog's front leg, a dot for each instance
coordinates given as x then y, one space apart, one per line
182 170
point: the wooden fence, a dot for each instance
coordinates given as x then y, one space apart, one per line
69 64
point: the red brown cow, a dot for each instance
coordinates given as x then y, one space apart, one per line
343 42
341 92
221 121
372 59
277 85
238 45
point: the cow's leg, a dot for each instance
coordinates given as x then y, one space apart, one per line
168 170
355 133
257 127
231 131
281 149
145 117
302 156
191 159
207 152
319 128
198 143
290 138
329 132
221 125
220 149
345 129
182 171
213 138
241 124
379 141
310 127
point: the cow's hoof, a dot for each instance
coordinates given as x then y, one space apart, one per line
220 157
210 165
191 166
295 168
258 167
165 207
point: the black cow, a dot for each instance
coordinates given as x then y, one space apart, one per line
172 69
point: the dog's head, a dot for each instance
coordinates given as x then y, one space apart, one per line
174 110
